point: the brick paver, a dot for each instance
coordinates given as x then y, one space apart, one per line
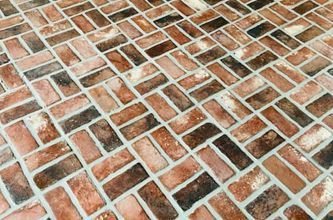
165 109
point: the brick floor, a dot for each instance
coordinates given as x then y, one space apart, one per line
165 109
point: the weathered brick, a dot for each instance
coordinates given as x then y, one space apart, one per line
232 151
267 202
106 135
195 190
16 183
85 192
57 171
61 204
225 207
157 201
152 104
125 181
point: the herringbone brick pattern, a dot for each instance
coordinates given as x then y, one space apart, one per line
165 109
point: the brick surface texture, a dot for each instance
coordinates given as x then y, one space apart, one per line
166 109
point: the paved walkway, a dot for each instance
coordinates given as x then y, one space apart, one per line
165 109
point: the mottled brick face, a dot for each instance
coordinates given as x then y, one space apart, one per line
166 109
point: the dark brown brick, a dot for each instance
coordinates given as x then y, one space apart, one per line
7 8
57 172
142 125
285 39
34 42
325 156
177 97
207 90
211 55
65 84
264 144
125 181
262 60
106 135
305 7
97 77
200 135
98 18
321 105
236 66
294 112
169 19
160 48
262 98
261 29
157 201
233 152
195 190
19 111
257 4
12 31
43 70
295 212
267 202
133 54
238 6
151 84
122 14
16 183
214 24
111 43
59 38
80 119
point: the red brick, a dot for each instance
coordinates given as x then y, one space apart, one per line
163 109
34 210
168 143
300 162
46 155
201 213
3 204
313 137
103 99
319 196
231 103
187 121
219 113
284 174
44 127
69 106
220 168
86 193
150 155
112 164
86 146
180 173
21 137
225 207
46 92
158 105
131 209
286 126
248 129
306 92
15 48
248 184
15 97
61 204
